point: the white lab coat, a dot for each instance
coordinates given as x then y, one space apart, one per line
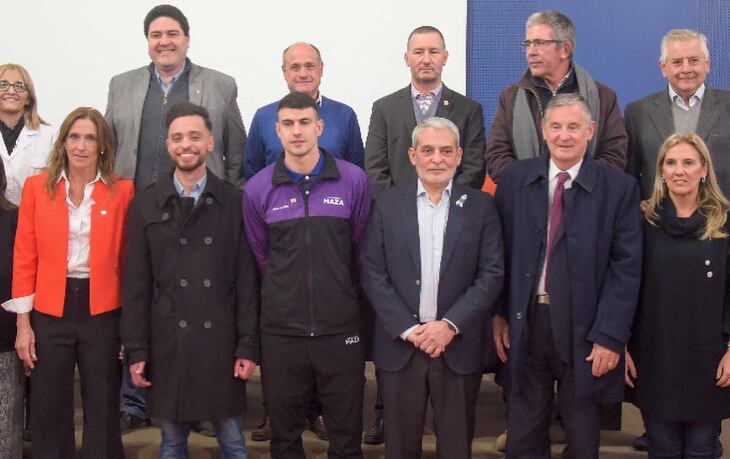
28 158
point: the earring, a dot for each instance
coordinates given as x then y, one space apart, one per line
664 180
704 178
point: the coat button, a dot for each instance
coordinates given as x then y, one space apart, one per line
182 324
183 241
208 240
206 282
709 274
519 316
707 262
183 282
165 216
418 282
209 200
207 324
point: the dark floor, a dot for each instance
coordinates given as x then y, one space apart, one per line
143 444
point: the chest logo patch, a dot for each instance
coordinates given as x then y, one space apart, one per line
333 201
285 206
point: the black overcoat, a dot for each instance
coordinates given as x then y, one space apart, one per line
682 323
190 300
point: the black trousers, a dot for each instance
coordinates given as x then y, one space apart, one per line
293 368
453 398
531 404
92 343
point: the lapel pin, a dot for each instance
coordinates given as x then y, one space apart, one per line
446 102
293 200
461 200
103 212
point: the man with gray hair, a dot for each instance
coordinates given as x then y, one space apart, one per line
432 268
515 134
685 105
573 237
302 67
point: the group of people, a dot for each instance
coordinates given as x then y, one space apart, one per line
600 262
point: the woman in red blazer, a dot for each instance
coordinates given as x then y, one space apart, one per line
66 282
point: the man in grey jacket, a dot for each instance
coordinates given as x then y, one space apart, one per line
136 109
139 99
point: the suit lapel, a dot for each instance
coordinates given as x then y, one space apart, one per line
708 115
458 205
137 94
195 93
407 114
408 214
661 116
446 105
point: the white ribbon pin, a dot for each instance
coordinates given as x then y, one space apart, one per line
461 200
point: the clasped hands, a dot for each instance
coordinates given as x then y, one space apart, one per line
432 337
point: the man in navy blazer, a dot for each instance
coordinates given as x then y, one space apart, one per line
432 268
574 267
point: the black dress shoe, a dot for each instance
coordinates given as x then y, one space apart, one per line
204 428
129 422
375 434
263 430
641 443
317 426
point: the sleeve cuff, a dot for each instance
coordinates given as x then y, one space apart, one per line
404 335
606 341
20 305
453 325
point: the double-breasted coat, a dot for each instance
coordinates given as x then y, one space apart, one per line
190 300
602 231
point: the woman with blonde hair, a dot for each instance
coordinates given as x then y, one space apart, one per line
680 340
66 289
27 139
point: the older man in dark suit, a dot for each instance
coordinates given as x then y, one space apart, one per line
432 269
394 117
572 231
686 105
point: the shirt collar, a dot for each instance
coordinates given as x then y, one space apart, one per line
435 92
421 190
694 98
197 188
96 179
554 170
175 77
296 176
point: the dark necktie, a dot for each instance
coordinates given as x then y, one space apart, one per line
556 214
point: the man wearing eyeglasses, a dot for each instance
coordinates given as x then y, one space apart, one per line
515 134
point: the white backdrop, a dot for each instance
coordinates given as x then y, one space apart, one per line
72 48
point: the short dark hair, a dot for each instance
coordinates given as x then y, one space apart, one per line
181 109
425 29
298 101
167 11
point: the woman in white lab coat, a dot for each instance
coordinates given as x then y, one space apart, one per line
26 138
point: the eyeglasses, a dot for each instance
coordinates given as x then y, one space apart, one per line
19 86
539 43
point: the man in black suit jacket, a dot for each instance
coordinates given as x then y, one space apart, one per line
394 117
685 105
432 268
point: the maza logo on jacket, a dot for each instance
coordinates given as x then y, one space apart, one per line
333 201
